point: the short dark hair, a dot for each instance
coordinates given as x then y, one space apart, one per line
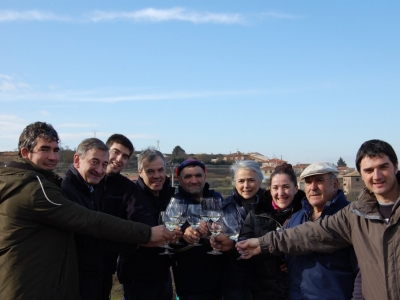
373 148
120 139
285 169
90 144
28 136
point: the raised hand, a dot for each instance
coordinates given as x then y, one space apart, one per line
159 236
248 248
221 242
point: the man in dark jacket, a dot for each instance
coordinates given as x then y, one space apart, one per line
146 274
197 274
37 248
116 191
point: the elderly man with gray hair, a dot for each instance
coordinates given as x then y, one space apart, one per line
315 275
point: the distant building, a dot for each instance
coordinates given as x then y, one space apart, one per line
352 184
243 156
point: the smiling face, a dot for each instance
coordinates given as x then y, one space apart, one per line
379 176
283 190
320 189
119 156
247 183
45 154
153 174
93 166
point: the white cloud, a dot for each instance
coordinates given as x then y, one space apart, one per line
163 15
8 84
10 124
7 77
30 15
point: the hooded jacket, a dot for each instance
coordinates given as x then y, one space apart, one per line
37 247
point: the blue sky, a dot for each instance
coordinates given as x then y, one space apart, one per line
303 80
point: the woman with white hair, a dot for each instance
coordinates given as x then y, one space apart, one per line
246 194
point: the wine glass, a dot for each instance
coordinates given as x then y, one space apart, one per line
193 217
170 224
175 200
205 208
182 219
215 208
232 227
215 228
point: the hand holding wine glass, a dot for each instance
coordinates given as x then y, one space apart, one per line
194 219
167 218
215 227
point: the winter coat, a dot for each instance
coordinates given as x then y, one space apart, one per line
116 192
329 273
90 250
195 271
37 246
267 281
236 273
146 263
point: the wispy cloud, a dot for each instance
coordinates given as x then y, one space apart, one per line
8 84
85 96
31 15
10 123
149 15
164 15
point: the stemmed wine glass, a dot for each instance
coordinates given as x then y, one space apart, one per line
182 219
232 227
215 228
167 218
205 208
193 217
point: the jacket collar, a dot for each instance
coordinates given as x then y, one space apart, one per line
27 165
366 205
77 180
330 207
166 191
207 192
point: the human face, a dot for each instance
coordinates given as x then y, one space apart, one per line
320 189
247 183
192 179
379 176
153 174
93 166
283 190
119 156
45 154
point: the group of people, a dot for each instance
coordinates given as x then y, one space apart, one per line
64 238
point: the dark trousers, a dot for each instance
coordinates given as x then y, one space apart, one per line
149 290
